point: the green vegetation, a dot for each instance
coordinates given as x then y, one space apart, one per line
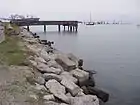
11 52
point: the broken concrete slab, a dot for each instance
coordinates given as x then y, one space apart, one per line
65 62
84 100
68 76
57 90
71 87
81 75
48 76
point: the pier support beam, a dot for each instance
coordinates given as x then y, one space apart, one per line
44 28
64 28
73 28
59 28
28 28
70 28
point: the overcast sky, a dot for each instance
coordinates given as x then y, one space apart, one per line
73 9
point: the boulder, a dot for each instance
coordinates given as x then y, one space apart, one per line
81 75
43 68
49 97
39 59
45 55
73 58
50 103
49 76
80 93
65 62
33 63
57 90
71 87
53 63
84 100
64 104
88 82
40 87
40 80
68 76
99 93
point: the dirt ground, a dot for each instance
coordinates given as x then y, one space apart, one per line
16 87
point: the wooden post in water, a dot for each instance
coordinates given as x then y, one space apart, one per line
71 28
64 28
28 28
44 28
59 28
76 28
68 28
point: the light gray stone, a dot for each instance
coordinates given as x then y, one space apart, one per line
81 75
68 76
33 63
65 62
39 59
73 58
45 55
57 90
40 80
71 87
80 93
53 63
51 103
49 97
49 76
64 104
84 100
39 87
45 69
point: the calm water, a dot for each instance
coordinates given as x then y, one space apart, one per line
113 51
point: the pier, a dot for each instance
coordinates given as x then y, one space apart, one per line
71 26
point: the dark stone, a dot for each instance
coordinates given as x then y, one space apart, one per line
89 82
99 93
80 63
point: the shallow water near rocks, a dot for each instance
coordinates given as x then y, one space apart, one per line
112 50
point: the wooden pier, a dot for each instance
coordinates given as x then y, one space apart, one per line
72 26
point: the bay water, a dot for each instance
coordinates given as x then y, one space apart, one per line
112 50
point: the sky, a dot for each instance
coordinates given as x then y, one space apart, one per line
73 9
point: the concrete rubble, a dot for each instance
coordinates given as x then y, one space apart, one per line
60 74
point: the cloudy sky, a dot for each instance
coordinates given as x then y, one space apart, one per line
73 9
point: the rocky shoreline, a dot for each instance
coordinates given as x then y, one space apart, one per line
61 74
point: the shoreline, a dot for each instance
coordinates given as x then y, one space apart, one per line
61 76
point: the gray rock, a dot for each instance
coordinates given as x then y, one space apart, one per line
68 76
49 97
39 59
84 100
80 93
81 75
51 103
53 63
65 62
45 69
104 96
63 104
73 58
49 76
57 90
45 55
40 80
39 87
71 87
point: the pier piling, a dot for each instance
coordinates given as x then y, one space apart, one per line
44 28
